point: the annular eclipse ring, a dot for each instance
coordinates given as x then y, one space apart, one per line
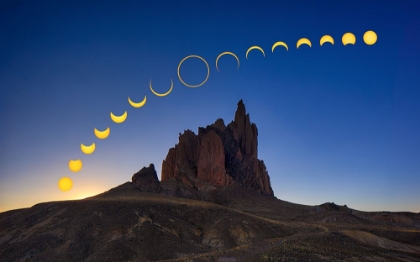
179 67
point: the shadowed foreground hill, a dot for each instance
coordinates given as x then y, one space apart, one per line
126 224
214 203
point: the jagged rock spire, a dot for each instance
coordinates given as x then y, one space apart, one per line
219 155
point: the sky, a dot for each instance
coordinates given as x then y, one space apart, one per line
336 123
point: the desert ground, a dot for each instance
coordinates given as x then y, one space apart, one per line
126 224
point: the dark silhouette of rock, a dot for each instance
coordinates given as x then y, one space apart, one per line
219 154
146 179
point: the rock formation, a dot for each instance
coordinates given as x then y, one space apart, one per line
211 160
146 179
219 155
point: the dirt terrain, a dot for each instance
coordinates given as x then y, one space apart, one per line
125 224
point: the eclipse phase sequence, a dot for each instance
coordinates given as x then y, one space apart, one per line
65 183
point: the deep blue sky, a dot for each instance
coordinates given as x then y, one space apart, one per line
336 123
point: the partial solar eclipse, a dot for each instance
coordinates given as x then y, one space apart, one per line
88 149
256 48
348 38
119 119
102 134
163 94
303 41
325 39
75 165
277 44
137 105
227 53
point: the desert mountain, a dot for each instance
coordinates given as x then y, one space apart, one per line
214 203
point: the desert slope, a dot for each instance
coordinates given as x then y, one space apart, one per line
126 224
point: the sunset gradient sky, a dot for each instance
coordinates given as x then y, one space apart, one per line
336 123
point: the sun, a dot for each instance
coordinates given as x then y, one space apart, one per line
370 37
65 184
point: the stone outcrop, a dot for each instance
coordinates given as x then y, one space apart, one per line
219 155
146 179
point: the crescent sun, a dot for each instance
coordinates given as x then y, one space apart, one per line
102 134
158 94
277 44
326 38
254 47
119 119
303 41
137 105
88 149
227 53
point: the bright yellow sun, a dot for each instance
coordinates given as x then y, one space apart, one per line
370 37
65 184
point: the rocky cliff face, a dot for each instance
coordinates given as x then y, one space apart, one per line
219 155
